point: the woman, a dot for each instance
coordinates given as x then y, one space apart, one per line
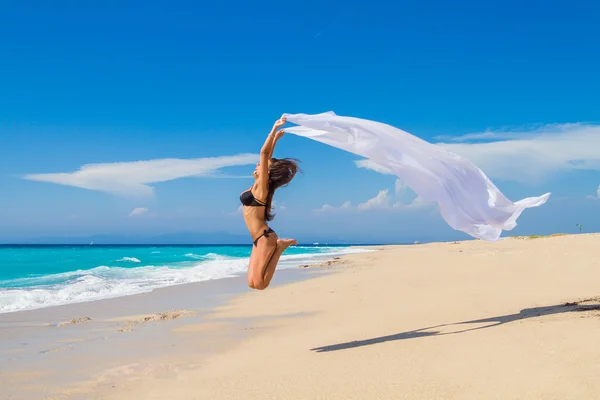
270 174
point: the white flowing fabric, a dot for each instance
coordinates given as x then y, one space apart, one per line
467 199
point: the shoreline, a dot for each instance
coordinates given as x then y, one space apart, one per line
288 262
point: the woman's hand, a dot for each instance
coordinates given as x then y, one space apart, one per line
279 134
279 123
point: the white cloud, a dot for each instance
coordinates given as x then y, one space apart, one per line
138 211
133 178
522 132
530 155
327 207
524 154
596 197
381 201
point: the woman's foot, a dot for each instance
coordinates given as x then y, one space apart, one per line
283 244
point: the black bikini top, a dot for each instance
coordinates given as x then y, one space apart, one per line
248 199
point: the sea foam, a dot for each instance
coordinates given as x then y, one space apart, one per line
105 282
130 259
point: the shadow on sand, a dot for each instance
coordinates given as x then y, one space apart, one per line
491 322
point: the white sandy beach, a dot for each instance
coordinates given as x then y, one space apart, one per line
515 319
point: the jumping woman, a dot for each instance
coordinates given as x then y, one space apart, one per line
269 175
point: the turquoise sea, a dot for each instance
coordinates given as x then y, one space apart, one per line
36 276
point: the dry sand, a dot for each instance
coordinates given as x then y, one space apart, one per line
515 319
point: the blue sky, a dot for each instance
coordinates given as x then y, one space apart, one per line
512 86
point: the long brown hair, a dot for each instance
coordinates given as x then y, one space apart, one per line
281 173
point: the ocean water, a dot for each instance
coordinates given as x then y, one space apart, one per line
42 276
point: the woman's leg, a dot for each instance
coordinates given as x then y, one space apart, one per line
282 244
264 258
259 259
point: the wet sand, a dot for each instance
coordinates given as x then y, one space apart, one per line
47 353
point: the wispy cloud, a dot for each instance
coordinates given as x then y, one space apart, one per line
323 31
138 211
522 132
368 164
531 155
525 155
134 178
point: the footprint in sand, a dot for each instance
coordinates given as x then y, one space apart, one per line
145 319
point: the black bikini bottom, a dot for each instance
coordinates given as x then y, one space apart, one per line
265 234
